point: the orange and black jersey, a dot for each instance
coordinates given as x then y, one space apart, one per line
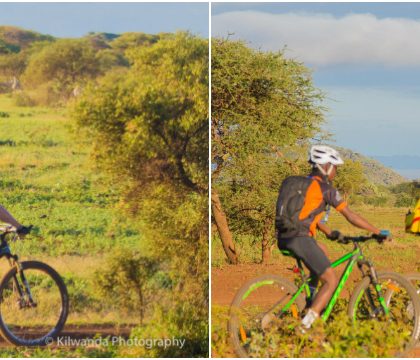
318 196
302 203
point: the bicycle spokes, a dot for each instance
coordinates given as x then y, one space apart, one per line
389 301
31 304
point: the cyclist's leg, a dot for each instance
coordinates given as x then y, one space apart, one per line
313 284
314 258
330 281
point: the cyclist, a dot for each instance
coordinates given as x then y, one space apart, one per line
6 217
300 207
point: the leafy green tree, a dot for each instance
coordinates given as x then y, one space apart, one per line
150 126
109 59
350 178
130 40
125 281
63 64
264 110
12 65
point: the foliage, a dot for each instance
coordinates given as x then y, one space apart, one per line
7 48
23 99
152 119
407 193
350 178
108 59
337 338
13 64
125 281
134 39
264 110
19 39
149 124
62 65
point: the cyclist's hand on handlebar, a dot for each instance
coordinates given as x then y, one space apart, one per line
384 235
24 230
336 235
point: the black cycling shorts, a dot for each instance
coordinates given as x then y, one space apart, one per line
307 249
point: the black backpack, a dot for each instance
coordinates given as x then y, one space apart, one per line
289 205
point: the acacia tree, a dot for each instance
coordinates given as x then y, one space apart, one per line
62 64
264 109
350 178
149 123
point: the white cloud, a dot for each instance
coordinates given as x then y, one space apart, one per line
322 39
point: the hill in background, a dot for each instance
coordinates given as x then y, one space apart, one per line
14 39
375 171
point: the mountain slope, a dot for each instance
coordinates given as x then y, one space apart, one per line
14 39
375 171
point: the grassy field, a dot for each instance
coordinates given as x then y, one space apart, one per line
47 179
402 255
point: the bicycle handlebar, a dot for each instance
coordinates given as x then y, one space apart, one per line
358 239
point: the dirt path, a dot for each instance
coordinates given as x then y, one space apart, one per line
86 332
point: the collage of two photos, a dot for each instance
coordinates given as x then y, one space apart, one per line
209 180
315 168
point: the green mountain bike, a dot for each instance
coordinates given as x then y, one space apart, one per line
380 296
34 301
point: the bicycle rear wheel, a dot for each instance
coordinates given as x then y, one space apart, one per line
402 301
33 304
257 307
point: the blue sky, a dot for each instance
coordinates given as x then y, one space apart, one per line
364 56
77 19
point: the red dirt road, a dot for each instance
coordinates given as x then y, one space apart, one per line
85 332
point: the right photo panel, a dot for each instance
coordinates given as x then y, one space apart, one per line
315 180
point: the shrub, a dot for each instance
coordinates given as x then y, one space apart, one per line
23 99
125 281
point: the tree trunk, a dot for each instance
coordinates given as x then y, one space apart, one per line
265 244
141 302
223 228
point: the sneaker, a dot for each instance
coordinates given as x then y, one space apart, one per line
309 318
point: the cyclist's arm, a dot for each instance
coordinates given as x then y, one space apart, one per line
358 221
324 228
6 217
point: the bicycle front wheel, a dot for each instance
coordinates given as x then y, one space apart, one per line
33 304
401 313
257 307
415 280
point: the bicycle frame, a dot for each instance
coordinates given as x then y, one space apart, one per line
356 256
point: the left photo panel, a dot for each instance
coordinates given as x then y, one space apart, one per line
104 128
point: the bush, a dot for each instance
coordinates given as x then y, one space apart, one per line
4 114
125 281
23 99
339 337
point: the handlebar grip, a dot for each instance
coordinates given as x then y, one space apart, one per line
380 238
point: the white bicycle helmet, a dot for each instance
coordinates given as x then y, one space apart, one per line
321 155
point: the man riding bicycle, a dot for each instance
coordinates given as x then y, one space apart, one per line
300 208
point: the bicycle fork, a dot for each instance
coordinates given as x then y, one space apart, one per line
378 289
25 295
